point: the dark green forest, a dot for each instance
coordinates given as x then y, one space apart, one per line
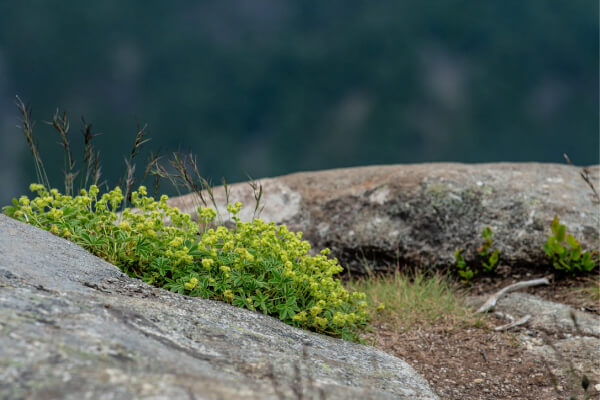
268 87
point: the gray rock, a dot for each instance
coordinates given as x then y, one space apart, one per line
74 327
567 339
421 214
581 353
551 317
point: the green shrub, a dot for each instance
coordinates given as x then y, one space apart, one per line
464 271
488 260
565 252
255 265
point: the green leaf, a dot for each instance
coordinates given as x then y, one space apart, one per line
573 242
575 253
560 233
494 257
564 265
287 309
9 210
555 225
586 257
588 266
487 233
548 249
561 252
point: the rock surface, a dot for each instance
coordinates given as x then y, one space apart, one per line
554 318
419 215
74 327
562 336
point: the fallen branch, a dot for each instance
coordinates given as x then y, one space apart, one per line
491 303
513 324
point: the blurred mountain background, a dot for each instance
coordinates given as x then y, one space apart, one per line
268 87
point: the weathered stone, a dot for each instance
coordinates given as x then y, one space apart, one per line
421 214
567 339
74 327
581 353
549 316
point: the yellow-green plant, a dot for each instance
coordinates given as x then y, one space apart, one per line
565 252
255 265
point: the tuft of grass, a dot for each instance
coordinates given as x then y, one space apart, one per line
415 298
27 127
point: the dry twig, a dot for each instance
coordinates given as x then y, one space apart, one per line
491 302
513 324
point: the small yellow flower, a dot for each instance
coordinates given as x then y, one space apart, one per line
191 284
94 191
176 242
207 263
228 294
316 310
36 187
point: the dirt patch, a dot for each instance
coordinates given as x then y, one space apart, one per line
479 363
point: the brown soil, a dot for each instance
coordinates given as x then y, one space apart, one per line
479 363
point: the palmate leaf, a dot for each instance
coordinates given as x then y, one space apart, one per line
240 300
261 301
161 264
287 309
177 286
194 250
144 247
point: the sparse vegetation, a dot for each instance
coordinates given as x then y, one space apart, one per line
464 271
488 260
406 299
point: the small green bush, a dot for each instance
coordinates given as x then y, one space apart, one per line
565 252
464 271
255 265
488 260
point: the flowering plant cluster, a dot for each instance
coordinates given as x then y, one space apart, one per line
255 265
